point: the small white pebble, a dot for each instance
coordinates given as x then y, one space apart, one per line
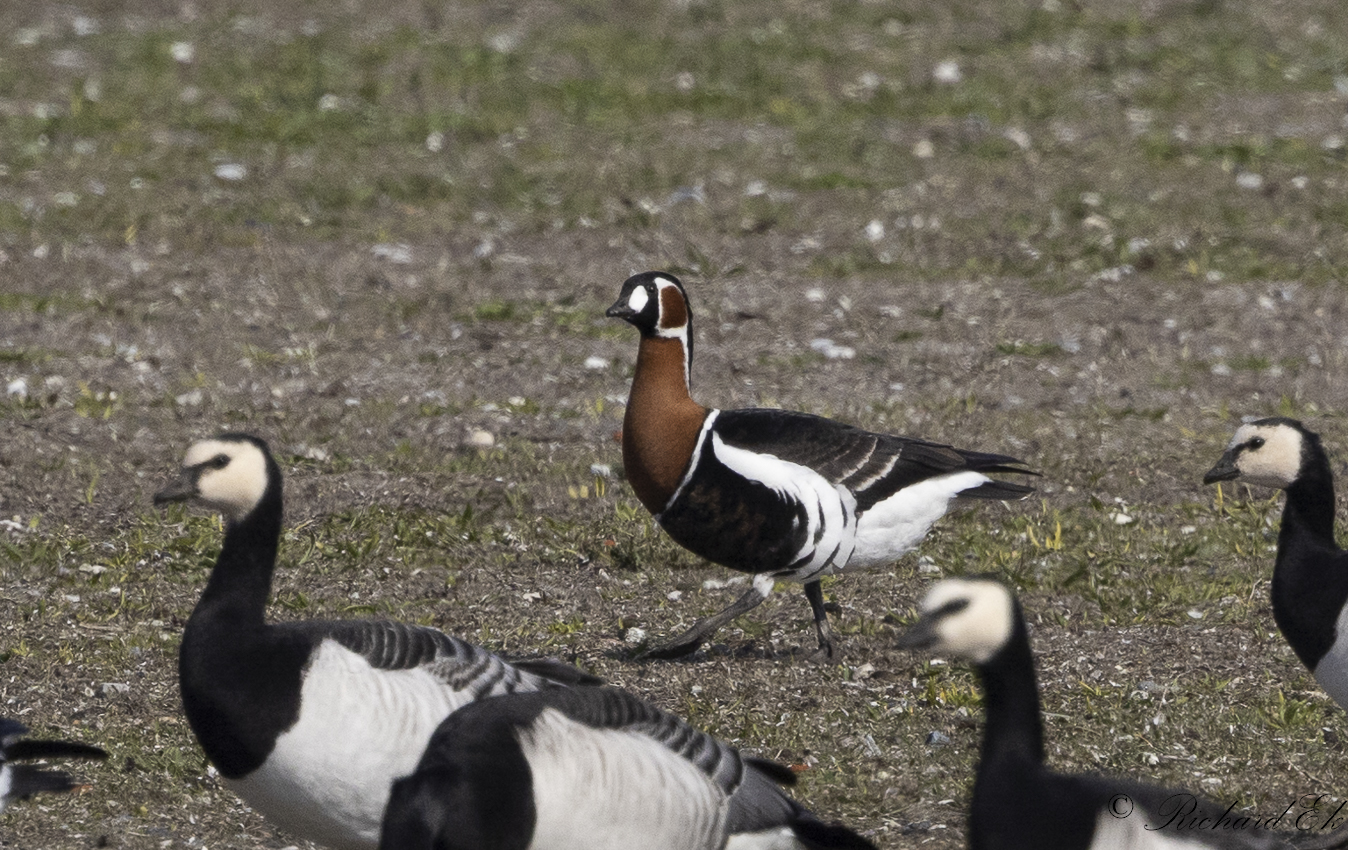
596 363
635 635
1018 137
948 72
1249 180
435 142
394 253
875 230
315 453
924 149
329 103
17 387
182 51
231 171
832 350
1195 614
480 439
1121 518
674 595
603 470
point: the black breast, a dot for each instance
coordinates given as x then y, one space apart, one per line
241 691
734 521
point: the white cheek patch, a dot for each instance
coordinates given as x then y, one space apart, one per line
1276 463
638 299
980 629
236 488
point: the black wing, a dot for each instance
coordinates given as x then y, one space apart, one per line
462 665
754 785
873 466
611 708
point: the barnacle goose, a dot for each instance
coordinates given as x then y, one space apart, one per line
311 721
774 493
1018 802
1310 573
594 769
21 781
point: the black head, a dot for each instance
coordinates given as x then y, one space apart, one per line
656 304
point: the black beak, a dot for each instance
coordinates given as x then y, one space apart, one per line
1225 469
621 310
181 489
921 635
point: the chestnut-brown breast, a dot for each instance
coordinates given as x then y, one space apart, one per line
662 423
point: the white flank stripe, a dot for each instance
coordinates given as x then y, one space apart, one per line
605 789
6 785
695 459
894 526
830 533
359 729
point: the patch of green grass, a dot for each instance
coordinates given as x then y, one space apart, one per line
1029 349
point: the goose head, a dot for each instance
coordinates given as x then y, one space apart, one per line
969 618
230 473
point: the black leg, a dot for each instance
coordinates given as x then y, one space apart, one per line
828 647
690 640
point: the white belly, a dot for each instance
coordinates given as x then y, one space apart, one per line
359 729
1131 833
781 838
892 528
602 789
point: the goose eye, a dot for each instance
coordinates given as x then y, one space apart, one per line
1256 443
218 462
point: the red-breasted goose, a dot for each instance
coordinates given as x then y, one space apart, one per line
774 493
311 721
594 769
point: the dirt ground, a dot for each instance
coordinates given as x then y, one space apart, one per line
459 377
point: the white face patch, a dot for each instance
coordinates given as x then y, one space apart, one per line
977 631
1275 463
235 488
638 299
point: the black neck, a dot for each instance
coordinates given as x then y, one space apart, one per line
1011 701
241 580
1310 499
